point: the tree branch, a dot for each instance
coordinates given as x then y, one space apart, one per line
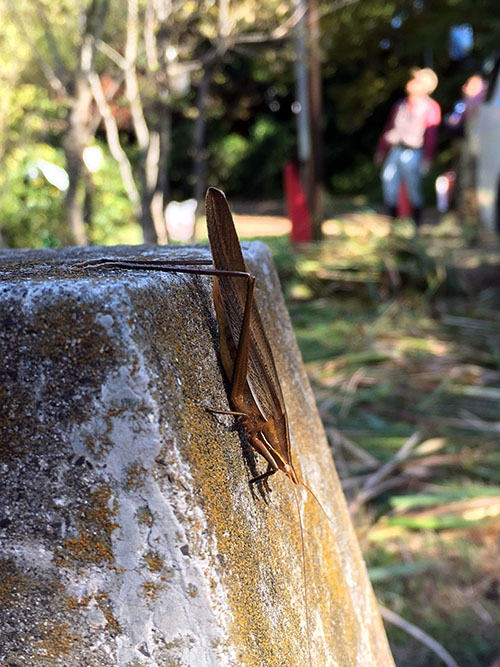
149 41
112 54
94 18
114 140
57 84
111 92
131 83
421 636
60 70
279 33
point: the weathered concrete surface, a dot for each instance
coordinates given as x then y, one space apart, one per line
129 533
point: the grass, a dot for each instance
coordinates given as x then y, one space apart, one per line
401 341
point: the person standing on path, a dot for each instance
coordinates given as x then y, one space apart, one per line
408 142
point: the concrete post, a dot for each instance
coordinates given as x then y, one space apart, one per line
129 533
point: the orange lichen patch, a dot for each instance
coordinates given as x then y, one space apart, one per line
154 561
53 642
145 517
100 511
104 605
14 584
100 445
93 543
135 477
102 600
192 590
73 604
152 589
86 548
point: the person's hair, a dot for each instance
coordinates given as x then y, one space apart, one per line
427 76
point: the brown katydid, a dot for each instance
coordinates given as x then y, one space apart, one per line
255 393
247 359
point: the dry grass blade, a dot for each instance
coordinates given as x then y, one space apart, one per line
431 422
350 390
465 457
346 443
420 635
479 424
374 491
392 270
473 507
353 482
470 322
373 485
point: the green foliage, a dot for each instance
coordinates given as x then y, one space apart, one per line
229 153
253 165
113 219
31 209
271 145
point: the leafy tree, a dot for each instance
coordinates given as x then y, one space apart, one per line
182 90
62 43
178 40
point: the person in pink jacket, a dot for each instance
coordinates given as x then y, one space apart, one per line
408 142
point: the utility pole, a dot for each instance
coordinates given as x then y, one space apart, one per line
316 202
302 93
309 109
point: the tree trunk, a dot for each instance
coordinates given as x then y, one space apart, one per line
149 180
115 147
302 96
74 143
147 220
158 188
198 150
80 119
161 192
75 233
148 144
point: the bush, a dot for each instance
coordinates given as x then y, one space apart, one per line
31 209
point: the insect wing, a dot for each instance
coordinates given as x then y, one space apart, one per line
230 297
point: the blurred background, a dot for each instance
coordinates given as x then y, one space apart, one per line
114 118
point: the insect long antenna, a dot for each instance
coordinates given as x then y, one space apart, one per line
311 492
304 576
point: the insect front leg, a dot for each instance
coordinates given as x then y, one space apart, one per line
263 478
272 467
213 411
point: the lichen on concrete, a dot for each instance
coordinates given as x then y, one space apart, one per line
129 532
